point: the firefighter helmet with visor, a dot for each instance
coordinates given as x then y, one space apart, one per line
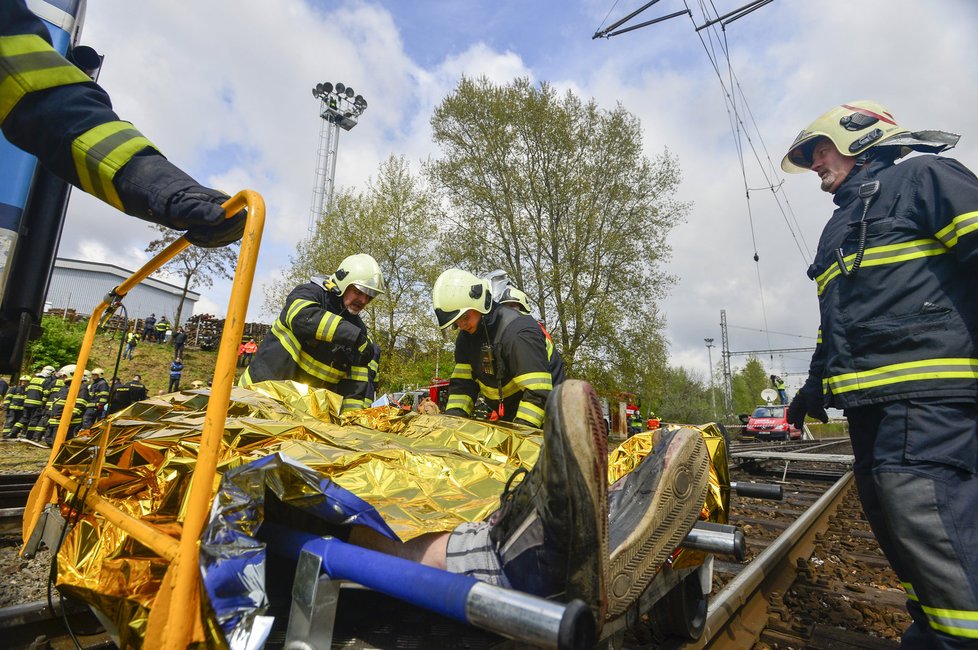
852 128
457 291
361 271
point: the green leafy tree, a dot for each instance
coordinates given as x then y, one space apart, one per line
58 345
394 220
194 267
747 385
683 397
558 193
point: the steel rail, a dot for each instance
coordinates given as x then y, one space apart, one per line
738 614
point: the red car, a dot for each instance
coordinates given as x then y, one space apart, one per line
770 423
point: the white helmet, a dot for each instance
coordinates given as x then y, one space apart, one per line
46 371
98 371
852 128
515 298
363 272
87 374
67 371
457 291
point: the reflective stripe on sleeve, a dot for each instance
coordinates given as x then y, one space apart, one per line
530 413
535 381
30 64
303 359
462 371
463 402
100 152
960 225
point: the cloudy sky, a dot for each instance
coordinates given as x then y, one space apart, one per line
223 88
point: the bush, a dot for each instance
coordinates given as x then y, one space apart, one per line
58 345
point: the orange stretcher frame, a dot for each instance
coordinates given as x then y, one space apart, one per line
174 621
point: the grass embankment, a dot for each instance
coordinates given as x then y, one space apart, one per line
152 362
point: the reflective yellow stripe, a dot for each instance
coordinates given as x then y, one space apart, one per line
373 365
911 594
462 371
351 404
294 308
956 622
245 379
102 151
358 373
960 225
889 254
924 370
492 392
818 337
327 326
550 349
535 381
463 402
530 413
30 64
303 359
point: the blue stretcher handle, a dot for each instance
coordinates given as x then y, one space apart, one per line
507 612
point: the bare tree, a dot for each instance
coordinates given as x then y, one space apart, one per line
195 266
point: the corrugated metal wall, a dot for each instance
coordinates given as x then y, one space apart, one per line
82 285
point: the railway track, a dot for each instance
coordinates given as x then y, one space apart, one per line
813 576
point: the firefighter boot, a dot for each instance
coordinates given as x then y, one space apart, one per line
651 510
551 531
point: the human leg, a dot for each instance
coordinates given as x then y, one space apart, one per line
921 495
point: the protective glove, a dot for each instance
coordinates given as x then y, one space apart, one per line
154 189
807 401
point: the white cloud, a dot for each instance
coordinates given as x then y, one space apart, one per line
224 89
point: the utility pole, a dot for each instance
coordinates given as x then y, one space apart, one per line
727 374
340 108
713 397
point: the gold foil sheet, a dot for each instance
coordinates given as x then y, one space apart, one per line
422 473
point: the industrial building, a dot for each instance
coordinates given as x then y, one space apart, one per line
80 286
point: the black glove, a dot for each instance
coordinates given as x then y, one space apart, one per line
807 401
154 189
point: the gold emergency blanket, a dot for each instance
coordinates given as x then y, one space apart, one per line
421 473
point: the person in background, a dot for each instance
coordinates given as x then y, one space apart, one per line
247 352
149 328
162 325
137 389
132 338
176 369
58 402
118 396
779 386
179 340
98 401
898 350
13 404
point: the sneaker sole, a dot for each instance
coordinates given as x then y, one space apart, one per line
583 422
675 508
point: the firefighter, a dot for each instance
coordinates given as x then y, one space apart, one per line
58 401
39 420
499 352
898 350
515 299
319 338
98 399
53 110
118 396
137 390
13 404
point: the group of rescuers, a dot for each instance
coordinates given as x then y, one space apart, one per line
897 350
34 406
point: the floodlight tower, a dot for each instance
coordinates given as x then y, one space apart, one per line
339 107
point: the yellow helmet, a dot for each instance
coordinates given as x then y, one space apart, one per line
514 297
363 272
98 371
457 291
25 377
852 128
